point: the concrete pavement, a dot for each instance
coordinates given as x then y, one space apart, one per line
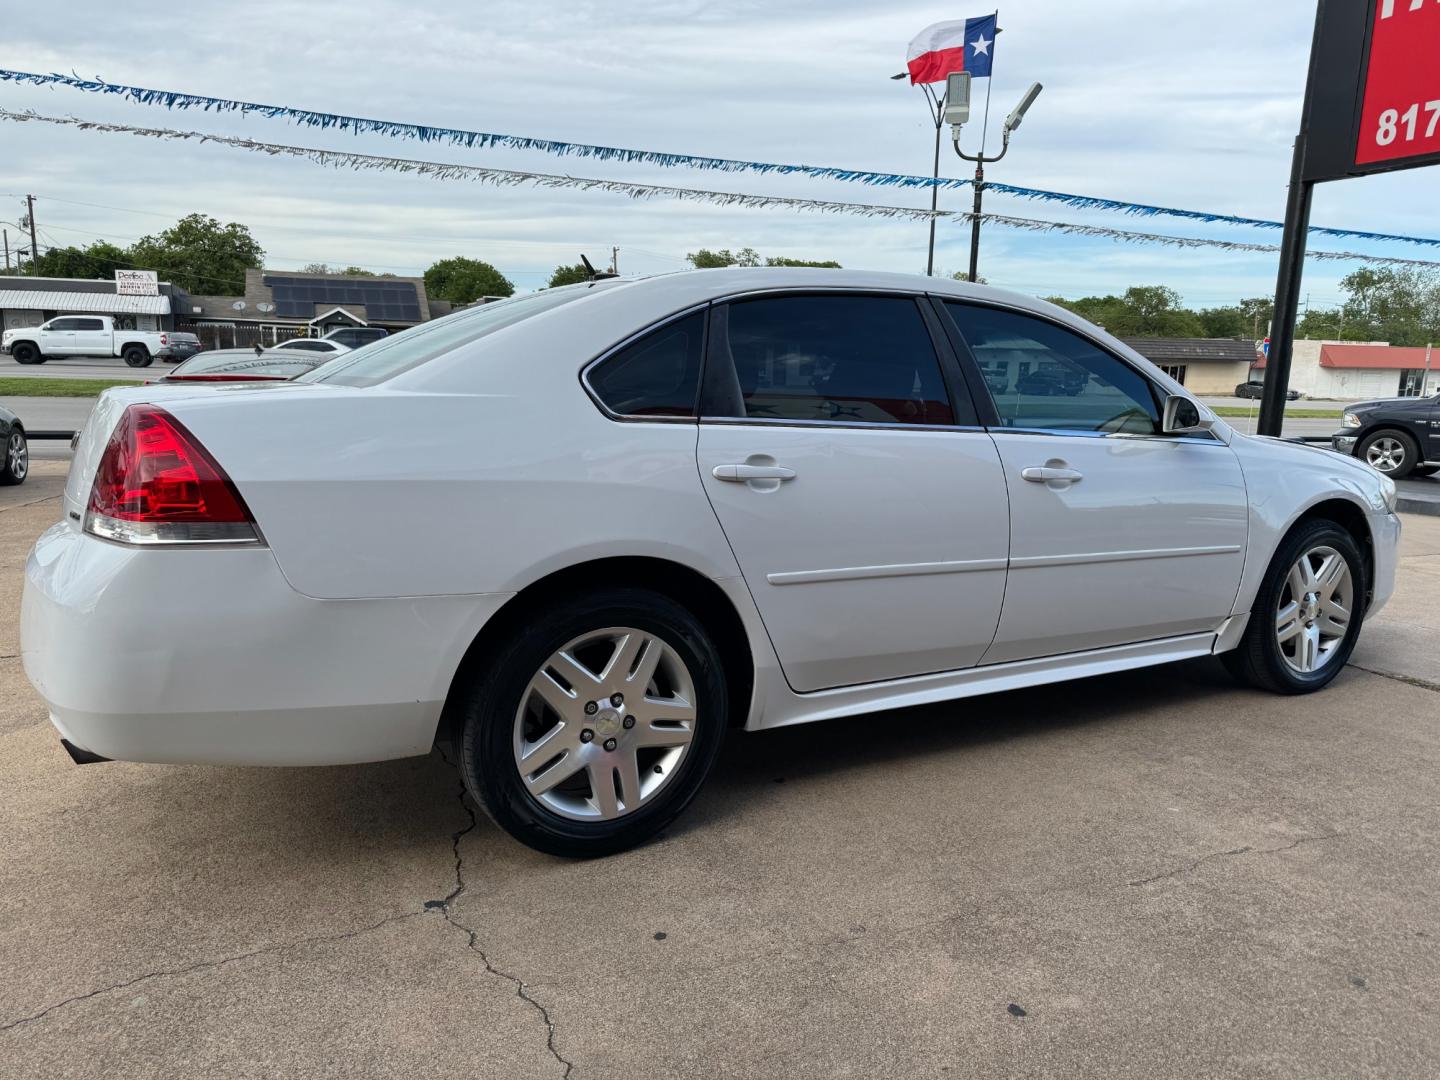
1153 875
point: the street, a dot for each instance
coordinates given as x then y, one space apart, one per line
1139 875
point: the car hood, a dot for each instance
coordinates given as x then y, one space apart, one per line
1389 403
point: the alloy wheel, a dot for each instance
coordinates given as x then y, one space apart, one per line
17 456
604 725
1315 609
1385 454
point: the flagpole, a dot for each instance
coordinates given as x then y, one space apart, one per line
980 169
985 124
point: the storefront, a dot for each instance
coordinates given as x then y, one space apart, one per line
30 301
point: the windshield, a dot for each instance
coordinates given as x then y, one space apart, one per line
245 362
409 349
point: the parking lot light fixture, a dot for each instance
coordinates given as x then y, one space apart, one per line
1012 123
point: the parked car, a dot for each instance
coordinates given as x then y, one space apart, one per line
245 365
1257 390
15 464
179 347
1052 381
581 534
1397 436
356 336
314 346
83 335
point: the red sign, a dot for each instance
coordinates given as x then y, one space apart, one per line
1400 117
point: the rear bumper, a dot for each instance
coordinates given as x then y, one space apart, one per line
209 656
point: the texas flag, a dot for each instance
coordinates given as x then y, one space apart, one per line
957 45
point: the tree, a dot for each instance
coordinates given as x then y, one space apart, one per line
201 255
98 260
829 264
569 275
1144 311
1401 306
705 259
461 280
335 271
964 275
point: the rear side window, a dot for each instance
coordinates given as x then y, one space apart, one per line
89 324
1045 377
856 359
658 375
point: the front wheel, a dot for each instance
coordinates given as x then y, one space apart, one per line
594 725
1390 452
26 353
16 465
1307 613
136 356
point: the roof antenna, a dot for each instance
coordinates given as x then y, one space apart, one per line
595 275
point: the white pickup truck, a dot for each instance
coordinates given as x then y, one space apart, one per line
83 335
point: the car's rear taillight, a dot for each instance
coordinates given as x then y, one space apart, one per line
157 485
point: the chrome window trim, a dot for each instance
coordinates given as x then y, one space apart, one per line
1206 439
631 418
771 421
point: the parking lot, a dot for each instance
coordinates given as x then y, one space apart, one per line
1150 874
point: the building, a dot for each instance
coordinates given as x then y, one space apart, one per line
281 304
1353 371
30 301
1209 366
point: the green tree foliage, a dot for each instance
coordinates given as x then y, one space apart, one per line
200 255
964 275
1144 311
98 260
569 275
461 280
1397 305
705 259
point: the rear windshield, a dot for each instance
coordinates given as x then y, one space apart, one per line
409 349
247 363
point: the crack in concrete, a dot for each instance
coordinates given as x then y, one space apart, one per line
203 965
1246 850
522 989
1408 680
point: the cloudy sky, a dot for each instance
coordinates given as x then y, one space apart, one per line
1188 103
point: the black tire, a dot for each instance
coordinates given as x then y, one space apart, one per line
137 356
14 468
491 697
26 352
1259 660
1410 452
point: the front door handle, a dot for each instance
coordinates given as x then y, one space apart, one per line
1047 474
740 474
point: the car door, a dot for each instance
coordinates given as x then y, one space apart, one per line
1118 534
91 338
866 508
58 337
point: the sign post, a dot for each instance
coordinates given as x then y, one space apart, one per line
1372 104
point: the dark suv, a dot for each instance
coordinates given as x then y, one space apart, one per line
1397 436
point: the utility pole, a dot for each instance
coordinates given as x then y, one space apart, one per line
7 249
615 260
34 246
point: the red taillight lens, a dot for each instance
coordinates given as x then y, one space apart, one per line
157 485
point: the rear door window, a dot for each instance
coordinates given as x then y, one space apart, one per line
832 359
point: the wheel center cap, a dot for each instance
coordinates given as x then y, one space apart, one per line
607 723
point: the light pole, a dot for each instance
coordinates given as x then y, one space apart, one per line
936 105
1012 123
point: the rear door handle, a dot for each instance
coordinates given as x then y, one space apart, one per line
1045 474
740 474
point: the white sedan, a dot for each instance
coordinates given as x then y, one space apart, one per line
582 533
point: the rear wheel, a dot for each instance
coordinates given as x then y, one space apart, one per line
595 724
1391 452
136 356
15 466
26 353
1307 613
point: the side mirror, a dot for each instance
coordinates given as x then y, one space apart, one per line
1182 417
